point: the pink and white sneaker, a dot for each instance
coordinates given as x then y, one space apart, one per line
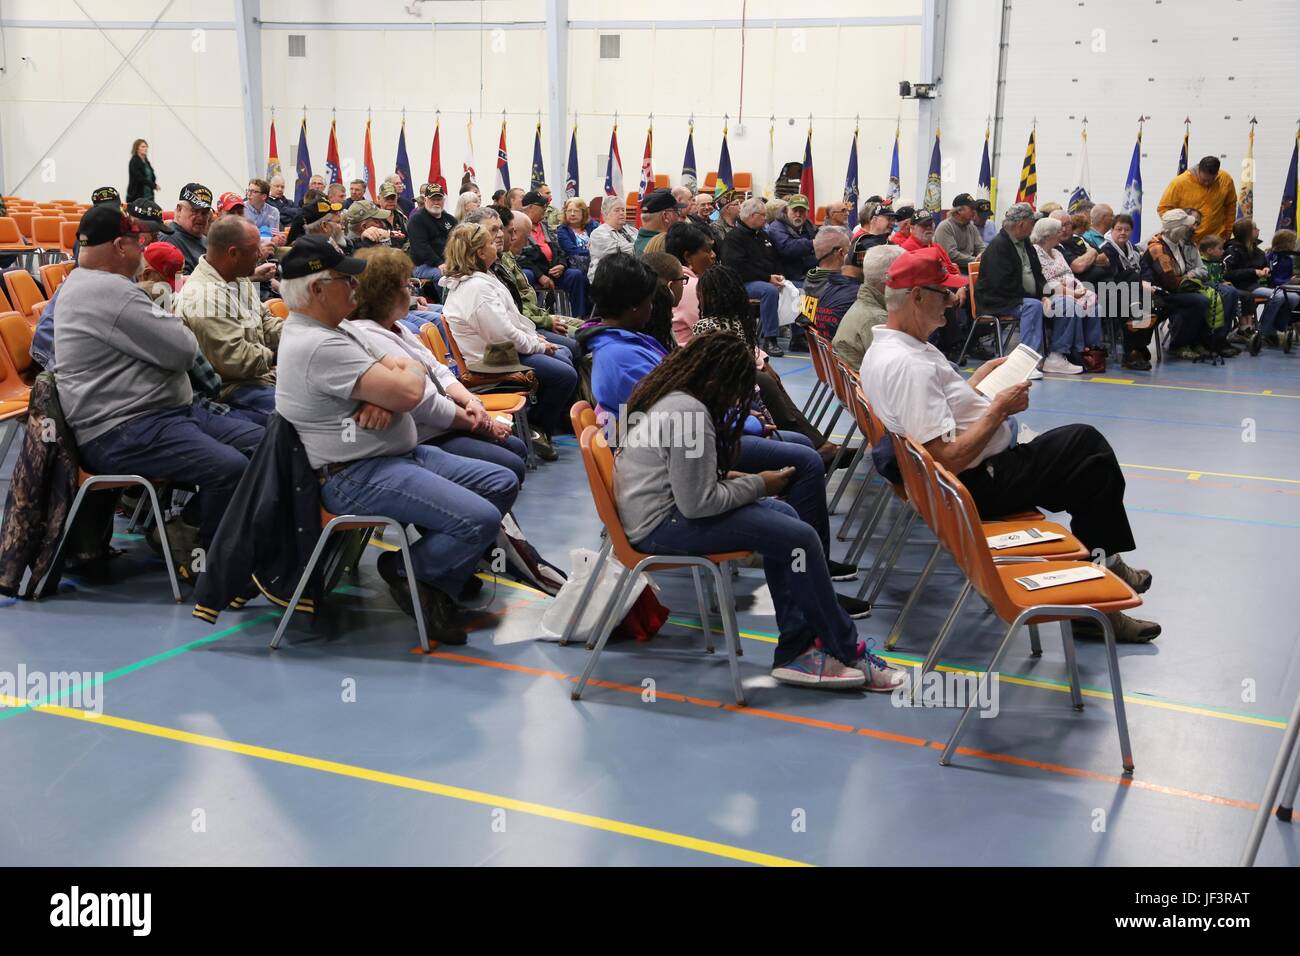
816 668
881 677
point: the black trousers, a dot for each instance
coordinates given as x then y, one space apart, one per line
784 411
1189 322
1071 468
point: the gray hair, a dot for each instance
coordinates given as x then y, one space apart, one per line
1044 229
876 263
776 210
895 298
520 218
318 227
481 213
297 293
1060 215
275 178
828 239
1100 213
752 205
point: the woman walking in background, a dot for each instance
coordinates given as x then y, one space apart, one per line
141 182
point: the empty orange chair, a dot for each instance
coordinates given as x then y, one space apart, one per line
581 414
16 344
68 235
52 277
709 182
277 308
45 231
11 238
24 294
661 181
743 182
14 392
24 222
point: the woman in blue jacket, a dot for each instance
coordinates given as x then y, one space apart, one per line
574 235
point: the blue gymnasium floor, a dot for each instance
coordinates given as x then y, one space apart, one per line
213 750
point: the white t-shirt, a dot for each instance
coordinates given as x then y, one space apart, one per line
317 369
917 393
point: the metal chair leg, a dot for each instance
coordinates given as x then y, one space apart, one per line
932 657
730 629
1285 752
896 631
1035 645
572 624
855 506
704 609
606 626
814 395
728 599
302 585
882 555
1071 663
848 472
893 558
859 546
411 582
946 758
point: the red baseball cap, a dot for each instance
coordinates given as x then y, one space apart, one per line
165 259
922 267
229 201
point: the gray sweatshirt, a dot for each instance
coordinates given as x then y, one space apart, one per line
119 355
669 458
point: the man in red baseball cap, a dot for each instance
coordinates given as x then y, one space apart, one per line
919 394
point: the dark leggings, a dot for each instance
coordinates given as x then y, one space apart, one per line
784 411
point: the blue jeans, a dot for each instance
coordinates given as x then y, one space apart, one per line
428 273
457 503
806 491
1031 324
510 455
1277 312
575 349
769 325
557 382
794 565
257 399
189 445
1229 293
1073 326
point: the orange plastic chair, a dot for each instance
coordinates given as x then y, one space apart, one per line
598 461
661 181
16 343
499 403
24 222
14 391
277 308
710 180
52 277
743 182
24 294
45 232
68 236
12 238
977 319
1013 604
581 414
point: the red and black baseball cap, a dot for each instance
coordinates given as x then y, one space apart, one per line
922 267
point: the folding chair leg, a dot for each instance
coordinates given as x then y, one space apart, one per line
946 758
859 546
1116 689
606 626
722 577
848 472
136 515
839 454
896 631
63 538
704 609
162 539
302 584
587 589
1072 663
1285 753
859 500
1287 803
893 558
932 657
411 582
829 429
969 335
727 605
821 406
886 546
1035 645
525 433
814 396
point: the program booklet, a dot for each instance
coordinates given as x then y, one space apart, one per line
1016 369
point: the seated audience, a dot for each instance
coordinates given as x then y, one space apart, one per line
389 200
853 337
556 329
837 214
878 225
283 204
190 223
259 211
958 236
336 192
1279 313
466 203
356 190
1247 267
1187 310
612 235
427 231
693 248
1126 291
480 312
659 210
449 416
1068 302
574 235
674 500
917 393
123 383
546 264
1011 279
749 252
837 291
728 206
235 330
903 227
367 225
701 211
792 235
352 408
1197 269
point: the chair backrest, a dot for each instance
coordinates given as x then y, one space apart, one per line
966 541
596 203
917 468
45 230
24 222
433 341
9 231
598 461
581 414
23 292
661 180
68 235
710 181
817 356
451 344
52 276
16 336
974 274
277 308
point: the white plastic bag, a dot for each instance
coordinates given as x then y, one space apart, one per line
582 563
788 306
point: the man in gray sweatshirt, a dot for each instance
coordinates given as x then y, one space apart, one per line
123 382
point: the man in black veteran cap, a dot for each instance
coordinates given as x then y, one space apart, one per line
351 408
658 206
193 216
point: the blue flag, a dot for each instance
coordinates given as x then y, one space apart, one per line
725 176
404 170
571 177
1133 189
1286 212
304 165
984 186
934 179
851 183
539 171
892 192
689 178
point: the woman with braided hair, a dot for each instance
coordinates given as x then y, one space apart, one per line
677 494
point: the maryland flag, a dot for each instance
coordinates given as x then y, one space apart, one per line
1027 191
273 155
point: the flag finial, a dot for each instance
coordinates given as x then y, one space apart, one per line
1253 121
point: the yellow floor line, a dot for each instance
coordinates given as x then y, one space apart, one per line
606 824
1194 473
1267 393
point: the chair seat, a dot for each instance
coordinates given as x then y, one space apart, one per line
12 409
84 476
326 517
716 558
508 403
1106 594
1069 547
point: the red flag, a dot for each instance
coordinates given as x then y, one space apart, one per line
647 173
273 157
503 161
435 160
806 176
332 157
370 164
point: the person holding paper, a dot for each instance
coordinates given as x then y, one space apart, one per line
917 393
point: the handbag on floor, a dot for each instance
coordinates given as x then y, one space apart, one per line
523 563
582 564
1094 359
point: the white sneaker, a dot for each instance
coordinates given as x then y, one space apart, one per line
1035 375
1058 364
881 677
816 668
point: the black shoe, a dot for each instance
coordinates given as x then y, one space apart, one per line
980 351
800 346
543 447
854 607
1288 339
1256 343
1128 630
842 570
772 348
437 606
1135 361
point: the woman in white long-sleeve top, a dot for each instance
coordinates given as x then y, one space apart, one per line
676 494
480 312
612 235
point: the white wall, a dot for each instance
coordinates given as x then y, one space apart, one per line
834 58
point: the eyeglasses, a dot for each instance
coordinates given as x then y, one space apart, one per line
678 281
942 290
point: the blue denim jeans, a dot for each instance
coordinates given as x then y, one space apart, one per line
257 399
769 325
509 455
557 383
456 503
1073 327
187 444
555 338
794 565
1277 317
806 491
